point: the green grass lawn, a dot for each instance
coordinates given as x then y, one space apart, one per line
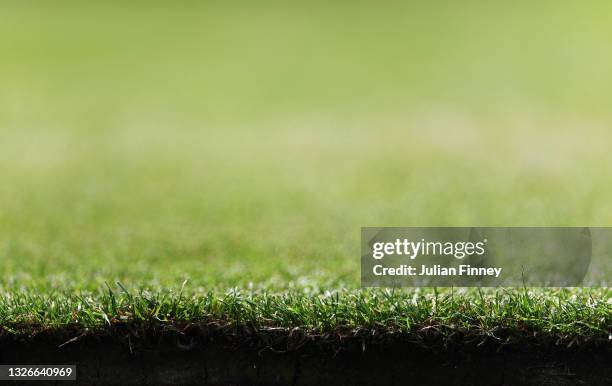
219 161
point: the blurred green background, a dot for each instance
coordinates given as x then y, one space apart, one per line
148 142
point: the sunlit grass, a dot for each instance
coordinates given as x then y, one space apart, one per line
244 147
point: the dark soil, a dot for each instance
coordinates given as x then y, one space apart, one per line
124 357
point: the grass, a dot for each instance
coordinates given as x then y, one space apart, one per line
242 149
560 316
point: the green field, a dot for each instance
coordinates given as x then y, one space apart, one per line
196 162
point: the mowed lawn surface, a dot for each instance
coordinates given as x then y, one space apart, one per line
175 163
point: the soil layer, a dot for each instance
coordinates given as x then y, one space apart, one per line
172 359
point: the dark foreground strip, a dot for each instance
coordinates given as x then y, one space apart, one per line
184 357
